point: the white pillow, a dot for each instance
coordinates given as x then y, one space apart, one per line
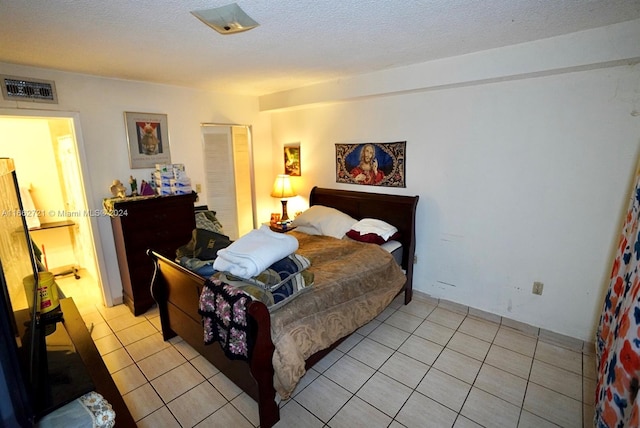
328 221
378 227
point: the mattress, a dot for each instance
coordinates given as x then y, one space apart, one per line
395 248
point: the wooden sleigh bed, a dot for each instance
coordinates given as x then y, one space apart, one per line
177 291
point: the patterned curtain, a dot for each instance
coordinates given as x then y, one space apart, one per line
618 335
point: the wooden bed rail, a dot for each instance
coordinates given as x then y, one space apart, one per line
177 291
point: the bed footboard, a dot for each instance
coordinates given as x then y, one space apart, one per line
177 292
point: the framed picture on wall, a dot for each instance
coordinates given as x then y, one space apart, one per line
374 164
292 159
148 139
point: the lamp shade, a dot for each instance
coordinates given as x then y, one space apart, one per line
282 187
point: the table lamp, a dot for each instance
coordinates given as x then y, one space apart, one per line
282 189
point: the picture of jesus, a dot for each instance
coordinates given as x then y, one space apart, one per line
371 164
367 171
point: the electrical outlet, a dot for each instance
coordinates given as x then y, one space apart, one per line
198 188
415 259
537 288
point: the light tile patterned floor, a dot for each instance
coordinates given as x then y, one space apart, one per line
426 364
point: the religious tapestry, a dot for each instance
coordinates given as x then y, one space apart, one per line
375 164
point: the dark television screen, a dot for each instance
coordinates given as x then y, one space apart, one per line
15 399
15 246
53 373
18 262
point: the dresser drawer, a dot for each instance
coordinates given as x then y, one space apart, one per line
142 240
155 216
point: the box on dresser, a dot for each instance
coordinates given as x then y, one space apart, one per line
161 222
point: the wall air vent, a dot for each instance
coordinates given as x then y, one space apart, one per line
28 89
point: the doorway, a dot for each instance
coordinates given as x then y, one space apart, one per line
229 179
47 152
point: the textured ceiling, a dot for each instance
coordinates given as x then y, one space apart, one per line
298 42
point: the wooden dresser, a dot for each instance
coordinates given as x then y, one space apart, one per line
161 223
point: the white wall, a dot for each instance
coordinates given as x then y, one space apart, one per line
520 180
101 104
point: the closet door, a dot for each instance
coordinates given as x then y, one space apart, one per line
229 176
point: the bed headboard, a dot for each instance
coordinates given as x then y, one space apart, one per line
397 210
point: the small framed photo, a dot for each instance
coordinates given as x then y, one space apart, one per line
292 159
148 139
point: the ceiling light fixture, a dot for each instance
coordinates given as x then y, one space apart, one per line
227 19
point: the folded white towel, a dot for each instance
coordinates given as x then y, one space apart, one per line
255 252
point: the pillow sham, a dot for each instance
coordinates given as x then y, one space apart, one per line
326 220
373 231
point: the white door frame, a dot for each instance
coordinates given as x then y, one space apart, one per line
86 181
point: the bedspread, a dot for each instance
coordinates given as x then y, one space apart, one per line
354 282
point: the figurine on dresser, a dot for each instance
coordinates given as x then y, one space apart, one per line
146 189
117 189
133 183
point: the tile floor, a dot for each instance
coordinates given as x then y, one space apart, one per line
427 364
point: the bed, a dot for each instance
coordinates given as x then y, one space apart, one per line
177 292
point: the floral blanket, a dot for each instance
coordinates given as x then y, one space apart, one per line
618 335
224 318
